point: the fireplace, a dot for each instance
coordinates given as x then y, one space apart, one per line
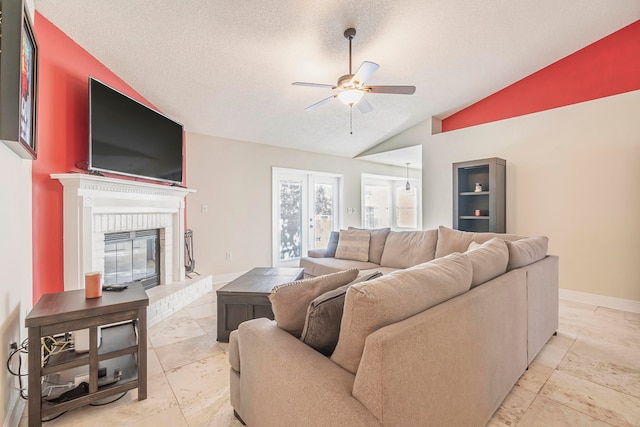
95 207
132 256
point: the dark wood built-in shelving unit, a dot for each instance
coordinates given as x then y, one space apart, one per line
491 201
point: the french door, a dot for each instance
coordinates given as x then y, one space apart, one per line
306 208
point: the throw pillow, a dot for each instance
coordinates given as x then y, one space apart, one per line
289 302
395 297
405 249
322 325
488 260
376 242
450 241
332 245
353 245
527 251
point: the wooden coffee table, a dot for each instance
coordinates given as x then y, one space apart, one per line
247 297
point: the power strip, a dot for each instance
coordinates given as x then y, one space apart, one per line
84 378
81 378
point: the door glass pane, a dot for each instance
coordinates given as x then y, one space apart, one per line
407 207
324 216
290 220
376 206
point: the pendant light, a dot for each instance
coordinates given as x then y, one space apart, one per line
408 186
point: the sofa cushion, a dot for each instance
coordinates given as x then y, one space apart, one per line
376 242
450 241
289 302
404 249
332 245
489 260
526 251
389 299
314 267
322 324
353 245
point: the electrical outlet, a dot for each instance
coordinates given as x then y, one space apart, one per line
13 345
204 208
229 255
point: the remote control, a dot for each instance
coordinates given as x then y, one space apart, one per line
114 287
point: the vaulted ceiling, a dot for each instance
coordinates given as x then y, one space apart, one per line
225 68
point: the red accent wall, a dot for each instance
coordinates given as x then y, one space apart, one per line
607 67
63 133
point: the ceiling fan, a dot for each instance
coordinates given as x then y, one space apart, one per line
351 87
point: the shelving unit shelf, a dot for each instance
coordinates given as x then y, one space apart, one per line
490 174
123 318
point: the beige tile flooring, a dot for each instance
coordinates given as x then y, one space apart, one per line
589 375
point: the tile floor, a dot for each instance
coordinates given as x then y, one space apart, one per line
589 375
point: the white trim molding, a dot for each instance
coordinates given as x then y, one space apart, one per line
601 300
95 205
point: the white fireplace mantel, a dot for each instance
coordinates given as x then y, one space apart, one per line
94 205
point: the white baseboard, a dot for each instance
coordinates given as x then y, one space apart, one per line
15 413
601 300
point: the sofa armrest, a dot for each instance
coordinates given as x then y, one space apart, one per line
542 302
284 382
316 253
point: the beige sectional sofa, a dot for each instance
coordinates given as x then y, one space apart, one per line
434 344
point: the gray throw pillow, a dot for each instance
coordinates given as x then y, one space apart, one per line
330 252
289 302
324 315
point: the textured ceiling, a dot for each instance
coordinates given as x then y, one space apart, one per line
225 68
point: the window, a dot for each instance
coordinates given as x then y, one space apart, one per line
387 203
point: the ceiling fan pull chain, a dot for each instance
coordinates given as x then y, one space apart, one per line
351 119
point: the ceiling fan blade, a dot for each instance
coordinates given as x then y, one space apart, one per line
312 84
364 106
399 90
365 71
319 103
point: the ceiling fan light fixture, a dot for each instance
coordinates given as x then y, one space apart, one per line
350 97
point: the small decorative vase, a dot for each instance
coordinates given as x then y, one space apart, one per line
478 188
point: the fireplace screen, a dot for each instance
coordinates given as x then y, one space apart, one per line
132 256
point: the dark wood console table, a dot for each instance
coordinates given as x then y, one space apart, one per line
247 297
63 312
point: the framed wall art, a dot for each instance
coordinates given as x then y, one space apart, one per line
18 79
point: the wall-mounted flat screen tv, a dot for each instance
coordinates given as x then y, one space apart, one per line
129 138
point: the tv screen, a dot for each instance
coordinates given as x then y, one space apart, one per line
128 138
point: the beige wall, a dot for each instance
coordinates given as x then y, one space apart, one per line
573 174
233 178
15 265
